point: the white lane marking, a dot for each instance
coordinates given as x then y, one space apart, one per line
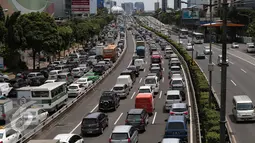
132 95
130 63
160 94
231 62
140 80
144 70
163 79
154 118
233 82
206 57
118 119
94 108
75 128
189 102
220 69
243 70
162 61
146 62
213 63
163 69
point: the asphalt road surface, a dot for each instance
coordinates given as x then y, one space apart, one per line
70 122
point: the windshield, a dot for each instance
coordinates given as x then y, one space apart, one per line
40 93
179 109
81 80
175 69
173 97
58 68
89 121
133 117
73 87
154 70
144 91
52 73
175 125
176 82
118 88
244 106
31 75
119 136
75 70
150 81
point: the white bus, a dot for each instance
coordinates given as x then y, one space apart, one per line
198 38
184 33
50 96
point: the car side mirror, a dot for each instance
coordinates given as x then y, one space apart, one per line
165 120
235 108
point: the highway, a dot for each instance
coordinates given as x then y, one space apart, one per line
240 78
70 122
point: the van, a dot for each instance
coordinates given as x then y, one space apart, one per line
63 68
125 79
5 88
65 77
152 81
171 140
121 90
124 134
145 101
250 48
131 73
243 108
177 127
172 96
139 63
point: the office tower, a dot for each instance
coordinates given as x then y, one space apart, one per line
177 4
164 5
128 7
156 6
139 6
199 3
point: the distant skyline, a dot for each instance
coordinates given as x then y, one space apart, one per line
149 4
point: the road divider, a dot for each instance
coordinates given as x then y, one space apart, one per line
44 124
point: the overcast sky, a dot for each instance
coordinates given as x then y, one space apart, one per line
149 4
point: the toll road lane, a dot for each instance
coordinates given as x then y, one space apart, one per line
71 119
239 82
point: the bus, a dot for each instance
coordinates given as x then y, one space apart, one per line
184 33
50 96
198 38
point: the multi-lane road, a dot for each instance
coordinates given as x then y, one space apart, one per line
70 122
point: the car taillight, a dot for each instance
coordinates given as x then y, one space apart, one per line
142 121
3 115
129 140
186 113
171 113
126 121
110 140
66 78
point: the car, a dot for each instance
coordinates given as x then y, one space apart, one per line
75 89
91 76
84 81
234 45
69 138
99 69
134 69
250 48
152 81
77 72
179 109
207 50
124 134
200 55
9 135
189 47
157 70
121 89
174 63
65 77
138 118
174 70
94 123
172 96
104 64
170 140
146 89
109 100
155 65
219 60
34 116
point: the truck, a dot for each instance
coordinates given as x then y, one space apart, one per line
140 43
140 51
99 49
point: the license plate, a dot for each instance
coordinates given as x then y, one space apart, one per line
89 131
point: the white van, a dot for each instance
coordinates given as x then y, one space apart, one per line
5 88
125 79
152 81
250 48
139 63
243 108
170 140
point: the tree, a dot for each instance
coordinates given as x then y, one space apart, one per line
65 36
83 33
3 32
2 16
36 31
251 29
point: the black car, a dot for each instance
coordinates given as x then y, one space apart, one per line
109 100
37 81
138 118
94 123
134 69
18 82
99 69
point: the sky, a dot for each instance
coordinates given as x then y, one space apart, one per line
149 4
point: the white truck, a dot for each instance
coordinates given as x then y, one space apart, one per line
99 49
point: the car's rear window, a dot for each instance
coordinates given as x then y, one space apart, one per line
172 97
134 117
175 125
119 136
89 121
179 109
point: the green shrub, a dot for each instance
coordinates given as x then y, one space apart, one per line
213 137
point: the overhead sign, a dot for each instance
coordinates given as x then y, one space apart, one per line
190 14
84 6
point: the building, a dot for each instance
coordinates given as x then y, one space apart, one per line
27 6
100 3
139 6
128 7
109 4
60 9
199 3
114 3
164 5
177 4
243 4
156 6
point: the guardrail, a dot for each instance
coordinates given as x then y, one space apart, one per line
53 117
195 109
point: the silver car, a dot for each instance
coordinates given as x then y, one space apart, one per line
180 109
124 134
207 50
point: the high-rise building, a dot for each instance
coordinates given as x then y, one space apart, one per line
139 6
164 5
198 3
177 4
114 3
128 7
100 3
156 6
243 4
123 6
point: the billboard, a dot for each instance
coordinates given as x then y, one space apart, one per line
84 6
188 14
100 3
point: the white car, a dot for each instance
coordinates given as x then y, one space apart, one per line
75 89
146 89
152 81
50 80
250 48
189 47
69 138
207 50
85 82
9 135
234 45
34 116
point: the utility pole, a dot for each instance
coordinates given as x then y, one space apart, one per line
223 75
210 65
192 42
